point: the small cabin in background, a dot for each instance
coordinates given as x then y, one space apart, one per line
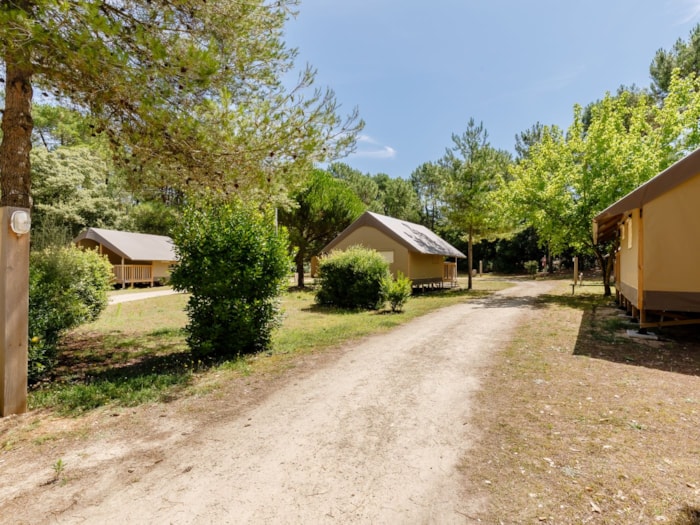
409 248
135 257
658 227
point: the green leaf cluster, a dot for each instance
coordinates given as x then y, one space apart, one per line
189 94
319 211
234 264
353 278
397 291
67 287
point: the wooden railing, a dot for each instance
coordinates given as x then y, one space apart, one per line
133 273
449 272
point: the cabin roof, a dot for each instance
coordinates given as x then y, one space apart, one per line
132 246
415 237
605 223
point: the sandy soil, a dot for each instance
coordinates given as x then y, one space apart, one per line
369 433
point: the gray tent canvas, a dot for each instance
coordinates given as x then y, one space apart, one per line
135 257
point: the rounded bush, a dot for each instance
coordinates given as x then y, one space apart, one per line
353 278
67 287
235 265
398 291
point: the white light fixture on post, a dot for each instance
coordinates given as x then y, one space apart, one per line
20 222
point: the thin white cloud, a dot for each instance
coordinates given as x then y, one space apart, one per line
691 11
369 148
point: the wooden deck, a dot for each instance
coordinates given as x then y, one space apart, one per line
130 274
448 279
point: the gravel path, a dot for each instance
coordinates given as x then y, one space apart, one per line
373 436
138 296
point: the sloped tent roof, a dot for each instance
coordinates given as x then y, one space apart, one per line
132 246
605 223
414 237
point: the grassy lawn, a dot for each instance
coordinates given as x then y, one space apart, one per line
578 423
136 351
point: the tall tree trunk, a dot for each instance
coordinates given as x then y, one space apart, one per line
470 259
17 124
607 264
299 260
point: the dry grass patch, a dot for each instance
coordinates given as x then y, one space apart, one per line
580 424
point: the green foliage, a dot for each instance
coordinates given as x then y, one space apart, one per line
684 56
427 184
398 198
397 291
234 265
353 278
71 190
56 126
322 209
568 178
531 267
363 185
188 94
67 287
508 254
472 173
153 217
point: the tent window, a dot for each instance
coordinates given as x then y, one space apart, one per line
388 256
629 233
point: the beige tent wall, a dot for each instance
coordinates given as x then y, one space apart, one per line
376 240
161 269
93 245
426 266
671 234
629 258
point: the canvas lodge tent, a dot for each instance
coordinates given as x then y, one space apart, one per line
657 264
409 248
135 257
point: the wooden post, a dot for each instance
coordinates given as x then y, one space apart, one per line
14 315
575 270
481 268
640 270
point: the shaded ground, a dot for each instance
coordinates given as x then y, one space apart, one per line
371 432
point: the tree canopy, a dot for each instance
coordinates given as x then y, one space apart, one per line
321 210
472 171
568 178
188 93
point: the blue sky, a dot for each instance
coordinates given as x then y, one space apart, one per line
418 69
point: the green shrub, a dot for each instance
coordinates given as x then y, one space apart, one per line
531 267
353 278
235 265
67 287
397 291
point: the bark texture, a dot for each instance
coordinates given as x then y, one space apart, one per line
17 124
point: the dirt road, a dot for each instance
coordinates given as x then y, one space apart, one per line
373 434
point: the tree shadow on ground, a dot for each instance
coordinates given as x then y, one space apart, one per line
603 335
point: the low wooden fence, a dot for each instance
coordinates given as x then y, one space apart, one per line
133 273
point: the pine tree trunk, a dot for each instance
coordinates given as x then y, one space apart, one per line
470 259
17 124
